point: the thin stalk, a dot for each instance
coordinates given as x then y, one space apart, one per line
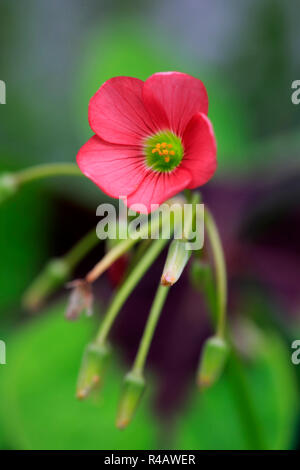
188 194
153 318
220 272
238 378
110 257
123 246
81 249
127 287
57 272
45 171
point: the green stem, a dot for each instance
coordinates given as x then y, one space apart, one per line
188 194
127 287
138 254
110 257
81 249
247 410
154 315
220 271
57 272
124 245
46 170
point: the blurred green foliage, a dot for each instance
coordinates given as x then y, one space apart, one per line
24 222
38 408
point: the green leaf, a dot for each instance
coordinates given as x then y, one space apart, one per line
38 408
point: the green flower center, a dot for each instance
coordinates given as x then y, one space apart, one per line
164 151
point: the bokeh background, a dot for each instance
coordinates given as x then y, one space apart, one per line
54 56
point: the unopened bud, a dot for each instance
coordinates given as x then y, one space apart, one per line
54 275
8 186
212 361
92 368
176 261
132 392
81 299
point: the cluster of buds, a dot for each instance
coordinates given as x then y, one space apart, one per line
209 279
215 349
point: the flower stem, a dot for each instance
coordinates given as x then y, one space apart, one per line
247 410
57 272
124 245
110 258
220 272
46 170
81 249
127 287
188 194
154 315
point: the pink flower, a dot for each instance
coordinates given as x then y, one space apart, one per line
153 139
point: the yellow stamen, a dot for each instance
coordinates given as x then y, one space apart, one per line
158 146
167 159
154 150
164 144
172 152
165 152
170 146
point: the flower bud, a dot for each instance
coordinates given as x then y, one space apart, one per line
81 299
212 361
132 392
8 186
54 275
176 261
92 367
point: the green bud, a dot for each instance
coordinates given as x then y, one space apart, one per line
92 367
54 275
8 186
132 392
177 258
212 361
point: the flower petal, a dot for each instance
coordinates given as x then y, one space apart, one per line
117 113
159 187
172 98
116 169
200 150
